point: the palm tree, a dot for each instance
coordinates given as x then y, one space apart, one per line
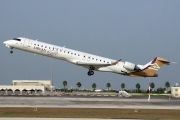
138 86
122 86
78 85
94 86
167 84
152 85
108 85
64 84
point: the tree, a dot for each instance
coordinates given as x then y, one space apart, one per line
108 85
122 86
152 85
78 85
160 90
94 86
138 87
64 84
167 84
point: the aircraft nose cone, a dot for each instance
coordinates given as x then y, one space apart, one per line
7 42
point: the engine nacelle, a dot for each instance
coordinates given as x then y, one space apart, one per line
131 66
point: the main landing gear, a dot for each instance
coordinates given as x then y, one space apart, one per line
91 72
11 50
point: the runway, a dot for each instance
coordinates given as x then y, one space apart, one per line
90 102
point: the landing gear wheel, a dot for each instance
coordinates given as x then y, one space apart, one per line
11 50
90 73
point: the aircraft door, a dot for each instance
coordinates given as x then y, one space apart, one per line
86 58
26 43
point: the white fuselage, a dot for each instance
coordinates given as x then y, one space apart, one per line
66 54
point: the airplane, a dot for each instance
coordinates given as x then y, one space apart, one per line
86 60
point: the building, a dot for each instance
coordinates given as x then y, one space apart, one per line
175 91
27 86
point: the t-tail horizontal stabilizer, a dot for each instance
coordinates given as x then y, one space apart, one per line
151 68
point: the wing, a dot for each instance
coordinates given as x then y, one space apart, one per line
96 65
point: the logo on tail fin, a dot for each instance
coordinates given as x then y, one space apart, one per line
154 66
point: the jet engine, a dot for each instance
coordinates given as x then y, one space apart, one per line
131 66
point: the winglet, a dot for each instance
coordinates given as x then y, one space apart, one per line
114 63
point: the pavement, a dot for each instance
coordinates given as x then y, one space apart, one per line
57 119
90 102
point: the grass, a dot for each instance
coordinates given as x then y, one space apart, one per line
105 113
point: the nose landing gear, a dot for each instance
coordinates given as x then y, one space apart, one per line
11 50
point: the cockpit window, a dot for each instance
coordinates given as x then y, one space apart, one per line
17 39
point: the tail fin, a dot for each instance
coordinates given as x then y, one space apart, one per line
152 67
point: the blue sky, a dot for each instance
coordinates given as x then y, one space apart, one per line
133 30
